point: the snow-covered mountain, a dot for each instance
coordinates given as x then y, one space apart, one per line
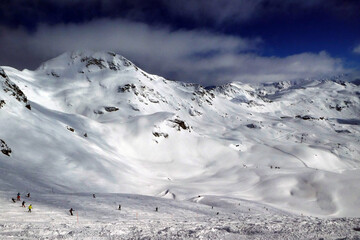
94 122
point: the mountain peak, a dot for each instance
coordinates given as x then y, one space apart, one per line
86 60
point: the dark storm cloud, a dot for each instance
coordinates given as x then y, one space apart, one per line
200 13
174 54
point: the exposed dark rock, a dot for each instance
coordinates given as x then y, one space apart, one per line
251 125
134 108
252 103
93 61
54 74
341 82
180 124
111 109
159 134
113 66
153 100
201 95
3 74
126 62
13 89
347 103
2 103
147 76
70 129
342 131
4 148
306 117
126 88
338 107
194 112
98 112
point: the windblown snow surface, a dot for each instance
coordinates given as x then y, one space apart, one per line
239 161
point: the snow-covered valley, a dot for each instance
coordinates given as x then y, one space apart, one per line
89 122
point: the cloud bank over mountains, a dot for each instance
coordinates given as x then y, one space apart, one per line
205 57
193 42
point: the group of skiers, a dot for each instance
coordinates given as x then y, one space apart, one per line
71 209
23 202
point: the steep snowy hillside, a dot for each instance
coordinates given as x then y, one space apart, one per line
93 121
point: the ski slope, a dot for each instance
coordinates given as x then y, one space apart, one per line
95 122
204 217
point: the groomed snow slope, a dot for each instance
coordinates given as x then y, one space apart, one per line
98 123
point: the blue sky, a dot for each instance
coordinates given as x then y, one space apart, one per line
204 41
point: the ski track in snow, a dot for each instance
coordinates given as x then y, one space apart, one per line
305 165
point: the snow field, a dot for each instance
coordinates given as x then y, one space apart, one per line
98 218
98 123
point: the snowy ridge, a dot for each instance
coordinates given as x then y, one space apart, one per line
98 123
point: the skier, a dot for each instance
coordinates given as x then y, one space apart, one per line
28 195
156 209
30 207
94 195
23 204
71 211
13 199
119 207
18 196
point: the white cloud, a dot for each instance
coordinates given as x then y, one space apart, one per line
357 49
176 54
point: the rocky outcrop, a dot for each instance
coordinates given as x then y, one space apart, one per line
4 148
111 109
93 61
11 88
179 124
2 103
253 126
70 129
160 134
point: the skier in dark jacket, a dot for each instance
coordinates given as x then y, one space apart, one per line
119 207
28 195
13 199
23 204
71 211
